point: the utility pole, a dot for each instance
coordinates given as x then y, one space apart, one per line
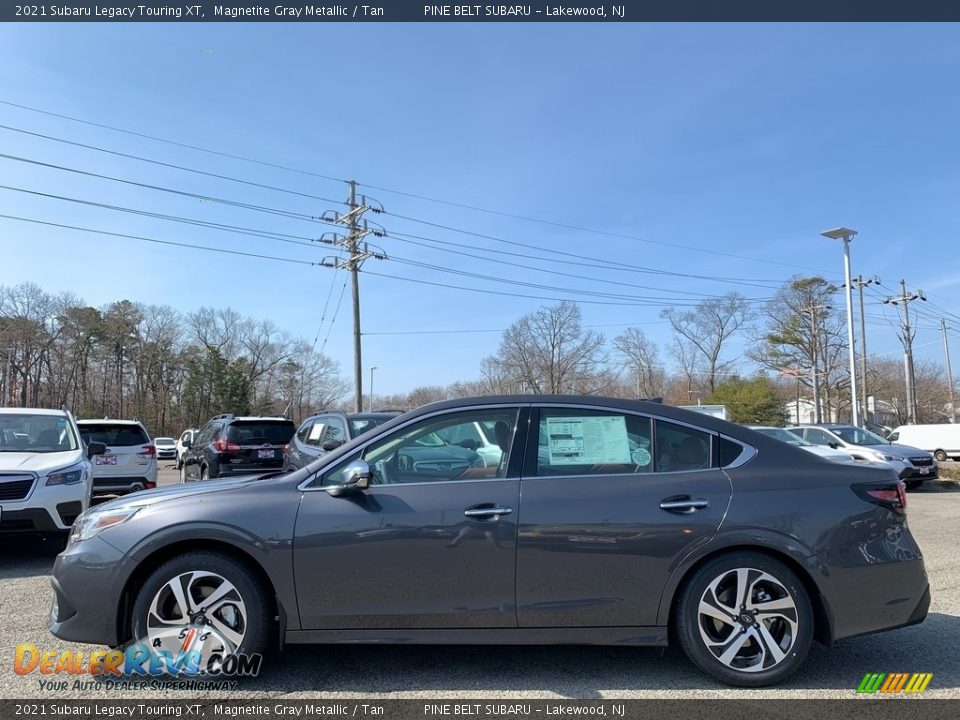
811 310
358 252
946 352
906 337
859 283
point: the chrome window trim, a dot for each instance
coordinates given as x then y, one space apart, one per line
747 453
448 411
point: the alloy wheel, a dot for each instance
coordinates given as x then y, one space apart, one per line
197 611
748 620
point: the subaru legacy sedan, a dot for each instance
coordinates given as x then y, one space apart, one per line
605 521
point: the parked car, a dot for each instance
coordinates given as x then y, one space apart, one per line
326 431
185 439
45 472
942 440
166 448
739 547
129 463
786 436
912 464
479 437
232 445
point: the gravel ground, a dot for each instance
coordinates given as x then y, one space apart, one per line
523 672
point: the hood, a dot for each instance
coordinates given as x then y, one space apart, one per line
145 498
827 452
40 463
901 450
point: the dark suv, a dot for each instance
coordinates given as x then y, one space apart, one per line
326 431
231 445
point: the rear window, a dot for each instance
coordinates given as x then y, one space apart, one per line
275 432
113 435
164 441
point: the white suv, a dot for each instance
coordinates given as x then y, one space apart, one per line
45 473
130 461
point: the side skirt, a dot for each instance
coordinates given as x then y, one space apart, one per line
637 636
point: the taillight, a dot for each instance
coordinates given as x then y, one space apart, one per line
148 451
892 496
224 446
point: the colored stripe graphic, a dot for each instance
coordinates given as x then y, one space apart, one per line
894 683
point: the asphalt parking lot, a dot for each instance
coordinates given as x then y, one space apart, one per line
524 672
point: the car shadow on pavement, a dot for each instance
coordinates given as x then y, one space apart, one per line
591 671
28 554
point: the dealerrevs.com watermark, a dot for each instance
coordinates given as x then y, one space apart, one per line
140 665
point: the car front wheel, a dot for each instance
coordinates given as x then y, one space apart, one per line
206 604
746 619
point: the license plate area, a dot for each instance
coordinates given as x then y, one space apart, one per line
265 454
105 460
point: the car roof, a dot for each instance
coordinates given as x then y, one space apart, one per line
31 411
109 421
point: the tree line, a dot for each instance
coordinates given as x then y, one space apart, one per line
174 370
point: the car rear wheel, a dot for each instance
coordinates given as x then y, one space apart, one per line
745 619
941 456
204 475
204 603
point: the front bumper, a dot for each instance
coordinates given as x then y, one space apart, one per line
80 613
46 509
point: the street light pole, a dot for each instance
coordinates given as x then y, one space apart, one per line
371 386
846 235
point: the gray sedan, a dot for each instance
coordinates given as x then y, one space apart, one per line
606 521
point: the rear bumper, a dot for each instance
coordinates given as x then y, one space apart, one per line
875 598
122 485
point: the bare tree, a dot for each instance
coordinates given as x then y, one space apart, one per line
801 332
641 356
707 329
548 351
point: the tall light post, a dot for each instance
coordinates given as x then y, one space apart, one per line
371 387
846 234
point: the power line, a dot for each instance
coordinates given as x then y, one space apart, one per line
159 242
168 165
299 171
470 331
207 198
188 146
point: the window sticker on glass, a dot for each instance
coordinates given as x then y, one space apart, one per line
316 431
587 440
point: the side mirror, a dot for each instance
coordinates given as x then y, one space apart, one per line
834 445
95 448
356 477
329 445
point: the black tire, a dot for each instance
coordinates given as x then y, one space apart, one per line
913 484
258 624
204 474
941 456
687 620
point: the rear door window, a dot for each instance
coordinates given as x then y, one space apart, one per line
574 441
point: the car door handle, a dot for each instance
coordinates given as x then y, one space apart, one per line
684 505
486 512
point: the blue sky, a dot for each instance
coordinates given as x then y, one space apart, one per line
742 139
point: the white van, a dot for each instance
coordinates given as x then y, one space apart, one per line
941 440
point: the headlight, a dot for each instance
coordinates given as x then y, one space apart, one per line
895 458
90 524
68 476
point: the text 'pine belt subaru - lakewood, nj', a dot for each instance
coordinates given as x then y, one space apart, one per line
602 521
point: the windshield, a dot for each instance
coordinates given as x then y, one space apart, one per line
859 436
25 432
784 435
